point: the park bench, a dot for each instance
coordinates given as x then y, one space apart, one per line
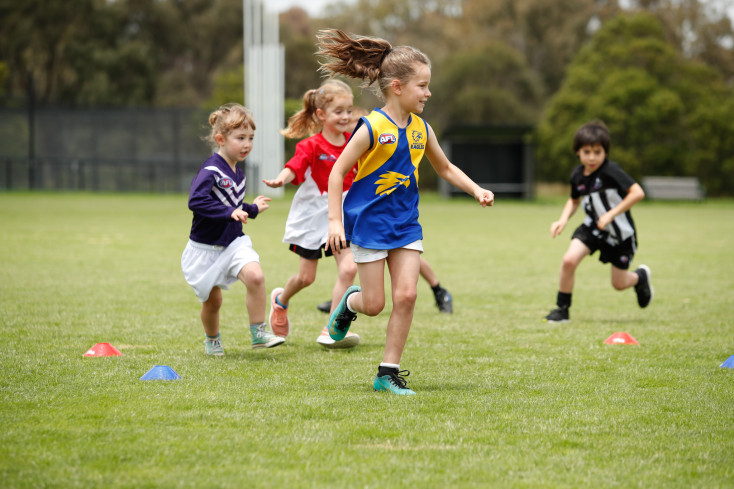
673 188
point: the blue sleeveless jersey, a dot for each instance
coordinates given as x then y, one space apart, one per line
381 208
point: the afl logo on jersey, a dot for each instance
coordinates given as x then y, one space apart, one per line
225 183
387 138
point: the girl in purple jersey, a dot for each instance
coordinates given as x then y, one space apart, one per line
218 252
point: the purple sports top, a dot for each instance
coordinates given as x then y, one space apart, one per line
216 191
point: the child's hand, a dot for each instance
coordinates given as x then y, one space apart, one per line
239 215
604 221
336 240
484 197
274 183
262 203
556 228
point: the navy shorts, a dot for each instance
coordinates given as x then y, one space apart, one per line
620 255
311 254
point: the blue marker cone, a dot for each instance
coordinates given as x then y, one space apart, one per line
729 363
160 372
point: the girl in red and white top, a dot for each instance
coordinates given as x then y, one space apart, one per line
326 119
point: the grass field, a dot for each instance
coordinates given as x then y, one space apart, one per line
504 400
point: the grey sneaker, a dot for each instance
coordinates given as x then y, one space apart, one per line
261 338
214 347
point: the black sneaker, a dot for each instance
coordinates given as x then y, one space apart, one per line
557 315
444 301
644 290
325 307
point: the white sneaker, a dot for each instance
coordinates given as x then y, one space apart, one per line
350 340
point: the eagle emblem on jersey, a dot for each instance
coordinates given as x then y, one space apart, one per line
390 181
417 137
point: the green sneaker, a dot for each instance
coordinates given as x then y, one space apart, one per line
213 346
394 382
341 319
264 339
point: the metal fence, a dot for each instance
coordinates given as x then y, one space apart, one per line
98 150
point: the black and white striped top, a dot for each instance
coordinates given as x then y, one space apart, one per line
601 191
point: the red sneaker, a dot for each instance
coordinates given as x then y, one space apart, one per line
279 322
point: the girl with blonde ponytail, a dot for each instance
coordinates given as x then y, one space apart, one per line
326 119
381 209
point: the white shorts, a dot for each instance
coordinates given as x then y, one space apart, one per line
208 266
366 255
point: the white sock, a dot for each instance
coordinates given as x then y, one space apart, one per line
390 365
349 299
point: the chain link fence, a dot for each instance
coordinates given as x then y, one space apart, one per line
102 150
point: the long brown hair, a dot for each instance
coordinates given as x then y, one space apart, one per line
370 59
304 122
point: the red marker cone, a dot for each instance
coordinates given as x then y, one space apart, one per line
103 350
621 339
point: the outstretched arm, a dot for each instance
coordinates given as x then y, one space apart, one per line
285 176
452 174
357 145
568 210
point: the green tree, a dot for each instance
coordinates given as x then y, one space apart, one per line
666 113
489 83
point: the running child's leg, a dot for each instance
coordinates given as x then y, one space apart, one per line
640 279
404 267
368 299
371 300
210 319
623 279
576 252
444 301
305 277
252 276
210 312
280 297
346 271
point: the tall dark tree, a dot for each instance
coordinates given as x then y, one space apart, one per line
663 110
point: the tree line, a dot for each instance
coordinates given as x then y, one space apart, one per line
660 73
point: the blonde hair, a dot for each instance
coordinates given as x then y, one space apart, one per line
304 122
370 59
226 119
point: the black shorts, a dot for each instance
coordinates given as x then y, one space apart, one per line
309 254
620 255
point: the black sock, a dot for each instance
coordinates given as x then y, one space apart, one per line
381 370
436 288
564 300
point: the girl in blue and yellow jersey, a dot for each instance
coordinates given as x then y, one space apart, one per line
381 208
